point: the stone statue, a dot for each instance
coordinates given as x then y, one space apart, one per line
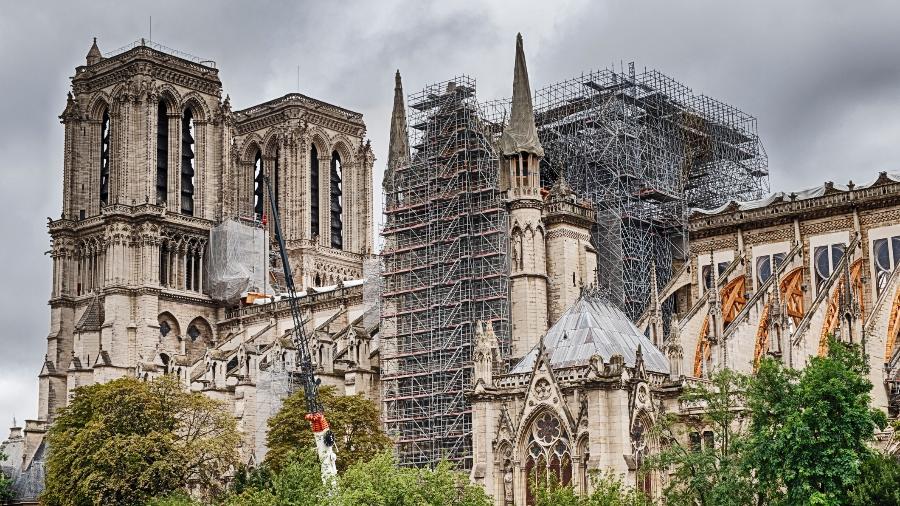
507 485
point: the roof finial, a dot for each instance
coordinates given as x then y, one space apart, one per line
94 55
521 134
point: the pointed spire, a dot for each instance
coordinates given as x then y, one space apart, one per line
94 55
714 280
398 149
521 133
654 312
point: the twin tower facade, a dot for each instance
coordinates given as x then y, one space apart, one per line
154 158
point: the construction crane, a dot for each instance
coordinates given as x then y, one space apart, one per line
315 414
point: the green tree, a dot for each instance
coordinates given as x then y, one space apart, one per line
354 420
127 441
379 482
809 430
175 499
607 489
879 482
6 493
701 473
374 482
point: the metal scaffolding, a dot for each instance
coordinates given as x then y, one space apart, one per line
445 268
645 149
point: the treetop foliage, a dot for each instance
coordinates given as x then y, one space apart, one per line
126 441
354 420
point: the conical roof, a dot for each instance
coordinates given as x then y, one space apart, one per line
94 55
521 133
594 326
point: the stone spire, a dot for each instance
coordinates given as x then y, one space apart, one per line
94 55
398 150
655 322
847 329
674 351
521 134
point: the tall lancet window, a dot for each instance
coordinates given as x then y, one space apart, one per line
258 186
337 202
275 180
187 163
314 191
104 159
162 153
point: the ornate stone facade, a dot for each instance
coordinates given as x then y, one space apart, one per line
154 158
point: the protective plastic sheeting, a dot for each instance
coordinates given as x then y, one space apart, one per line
238 260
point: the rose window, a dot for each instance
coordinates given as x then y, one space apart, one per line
547 428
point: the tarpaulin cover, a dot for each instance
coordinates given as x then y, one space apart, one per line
238 260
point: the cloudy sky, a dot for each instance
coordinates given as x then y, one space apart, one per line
823 78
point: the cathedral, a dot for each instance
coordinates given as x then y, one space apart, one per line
481 328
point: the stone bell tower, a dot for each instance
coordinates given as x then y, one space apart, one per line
520 178
144 142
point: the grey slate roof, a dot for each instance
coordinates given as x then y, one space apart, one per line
780 197
593 326
92 318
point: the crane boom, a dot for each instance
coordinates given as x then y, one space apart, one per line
315 413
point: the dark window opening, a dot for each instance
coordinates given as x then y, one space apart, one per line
162 153
197 286
825 260
337 202
709 440
104 159
187 163
694 442
258 184
707 273
163 266
189 272
314 191
886 254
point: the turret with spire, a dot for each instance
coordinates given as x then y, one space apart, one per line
94 55
520 179
519 142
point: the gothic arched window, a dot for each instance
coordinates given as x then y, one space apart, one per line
548 454
337 202
162 153
104 159
187 163
258 186
314 191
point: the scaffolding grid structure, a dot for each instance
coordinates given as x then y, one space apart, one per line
445 268
645 149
